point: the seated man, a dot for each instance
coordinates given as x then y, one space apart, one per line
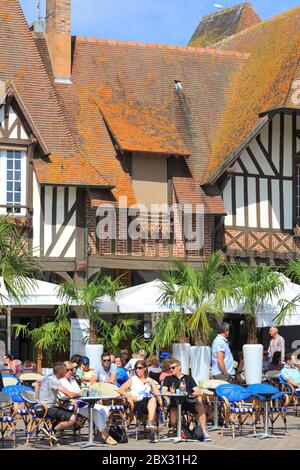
290 372
173 383
106 372
48 390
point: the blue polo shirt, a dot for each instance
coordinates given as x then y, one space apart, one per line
220 344
291 373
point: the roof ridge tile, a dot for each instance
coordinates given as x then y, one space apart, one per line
198 50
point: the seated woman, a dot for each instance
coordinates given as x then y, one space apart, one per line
10 364
142 393
100 412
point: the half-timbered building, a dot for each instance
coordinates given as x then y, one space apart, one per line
88 123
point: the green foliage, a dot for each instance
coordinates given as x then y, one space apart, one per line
288 307
254 287
196 292
17 264
138 343
86 296
169 328
51 337
114 335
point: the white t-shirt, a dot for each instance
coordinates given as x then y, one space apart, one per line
71 385
139 389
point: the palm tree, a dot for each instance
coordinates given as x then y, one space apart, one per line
289 306
253 288
113 334
52 337
85 295
196 292
17 263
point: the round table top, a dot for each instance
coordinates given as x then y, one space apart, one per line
178 396
30 377
102 397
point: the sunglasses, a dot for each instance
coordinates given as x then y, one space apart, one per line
139 368
68 370
173 367
105 360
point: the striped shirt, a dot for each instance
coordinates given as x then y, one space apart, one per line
277 344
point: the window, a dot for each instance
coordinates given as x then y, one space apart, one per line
12 182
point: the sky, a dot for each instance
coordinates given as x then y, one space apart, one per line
158 21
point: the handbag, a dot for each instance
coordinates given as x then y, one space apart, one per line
118 433
195 434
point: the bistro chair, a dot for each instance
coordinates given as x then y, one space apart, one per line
9 380
238 407
278 403
118 406
18 408
7 420
291 391
38 416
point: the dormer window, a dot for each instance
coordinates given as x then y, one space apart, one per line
12 182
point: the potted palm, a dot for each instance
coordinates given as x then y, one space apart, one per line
196 293
85 296
49 339
17 266
115 335
252 289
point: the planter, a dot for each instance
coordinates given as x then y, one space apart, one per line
200 362
93 352
181 351
253 360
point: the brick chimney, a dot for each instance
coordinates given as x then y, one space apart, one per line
58 37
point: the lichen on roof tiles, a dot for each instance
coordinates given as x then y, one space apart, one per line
221 24
263 84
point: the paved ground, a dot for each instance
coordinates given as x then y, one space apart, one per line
292 441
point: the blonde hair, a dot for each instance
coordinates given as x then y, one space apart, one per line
68 364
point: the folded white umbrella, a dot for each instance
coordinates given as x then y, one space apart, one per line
143 298
41 293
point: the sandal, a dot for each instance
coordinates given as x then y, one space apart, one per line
110 441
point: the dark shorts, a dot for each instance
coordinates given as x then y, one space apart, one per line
141 407
59 414
188 406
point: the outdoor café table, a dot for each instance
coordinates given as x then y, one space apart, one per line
29 378
179 400
211 386
91 401
215 426
265 435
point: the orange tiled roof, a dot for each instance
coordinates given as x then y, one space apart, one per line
125 92
263 84
226 22
20 64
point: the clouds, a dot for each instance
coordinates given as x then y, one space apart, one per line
162 21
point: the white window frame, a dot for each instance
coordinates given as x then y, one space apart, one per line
3 181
